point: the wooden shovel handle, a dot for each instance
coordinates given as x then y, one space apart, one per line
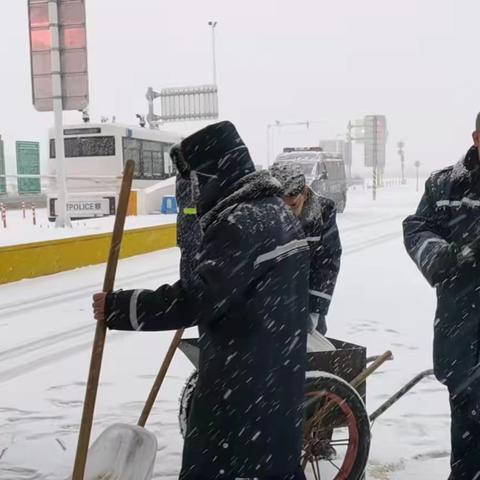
160 378
101 329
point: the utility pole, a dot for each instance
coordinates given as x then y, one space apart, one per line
214 54
62 219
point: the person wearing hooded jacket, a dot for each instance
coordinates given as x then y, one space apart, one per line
443 239
246 417
317 215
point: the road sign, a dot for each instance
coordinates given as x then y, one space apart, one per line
73 54
28 163
184 104
375 140
3 180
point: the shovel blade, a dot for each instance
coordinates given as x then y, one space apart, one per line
122 452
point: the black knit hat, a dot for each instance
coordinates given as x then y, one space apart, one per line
291 177
219 159
204 150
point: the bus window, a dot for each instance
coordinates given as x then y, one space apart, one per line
86 147
158 167
152 159
131 151
96 146
147 164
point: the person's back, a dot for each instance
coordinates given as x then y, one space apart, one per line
253 357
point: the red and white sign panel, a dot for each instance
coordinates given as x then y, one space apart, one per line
73 54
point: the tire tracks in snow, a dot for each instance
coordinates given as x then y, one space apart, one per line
14 308
32 347
45 301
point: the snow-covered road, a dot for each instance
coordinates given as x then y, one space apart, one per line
46 329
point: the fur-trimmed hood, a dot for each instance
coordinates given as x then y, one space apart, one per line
253 186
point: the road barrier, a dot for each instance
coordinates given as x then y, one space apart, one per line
32 260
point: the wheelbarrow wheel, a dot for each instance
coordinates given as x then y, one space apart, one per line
337 429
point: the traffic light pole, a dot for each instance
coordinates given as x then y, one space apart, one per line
62 219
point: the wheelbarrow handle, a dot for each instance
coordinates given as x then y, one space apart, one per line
160 378
394 398
375 365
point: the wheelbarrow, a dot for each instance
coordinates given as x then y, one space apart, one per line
337 426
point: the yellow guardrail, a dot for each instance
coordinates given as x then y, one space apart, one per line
31 260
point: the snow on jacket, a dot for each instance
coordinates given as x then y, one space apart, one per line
249 298
449 215
189 233
318 220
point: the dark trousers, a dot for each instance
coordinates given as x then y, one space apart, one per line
465 436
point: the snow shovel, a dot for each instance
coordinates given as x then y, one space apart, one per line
127 452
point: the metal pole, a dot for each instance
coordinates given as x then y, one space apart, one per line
62 219
418 174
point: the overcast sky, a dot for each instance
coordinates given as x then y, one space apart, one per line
416 61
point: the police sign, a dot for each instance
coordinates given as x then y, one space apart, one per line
88 208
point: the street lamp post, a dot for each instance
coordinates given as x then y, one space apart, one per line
214 55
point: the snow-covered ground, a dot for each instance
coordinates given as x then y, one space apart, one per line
46 329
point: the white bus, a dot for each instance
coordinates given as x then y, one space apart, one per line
94 158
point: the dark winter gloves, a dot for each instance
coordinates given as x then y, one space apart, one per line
450 258
443 265
470 253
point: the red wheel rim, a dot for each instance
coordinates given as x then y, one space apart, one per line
353 434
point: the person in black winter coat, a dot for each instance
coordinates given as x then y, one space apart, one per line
443 239
249 298
318 218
